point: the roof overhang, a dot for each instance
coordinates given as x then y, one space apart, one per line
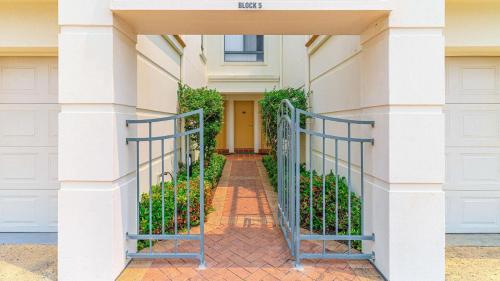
224 17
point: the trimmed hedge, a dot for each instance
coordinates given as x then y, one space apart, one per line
212 175
272 170
317 193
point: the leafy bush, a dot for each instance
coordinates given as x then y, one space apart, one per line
317 193
213 109
270 105
343 209
272 170
212 175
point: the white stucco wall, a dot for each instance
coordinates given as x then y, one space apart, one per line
194 68
293 57
335 75
472 27
158 72
161 64
28 28
243 77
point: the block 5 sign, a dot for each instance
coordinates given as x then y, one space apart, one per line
250 5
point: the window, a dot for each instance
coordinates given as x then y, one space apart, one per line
244 48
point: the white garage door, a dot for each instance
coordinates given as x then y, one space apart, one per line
28 144
473 145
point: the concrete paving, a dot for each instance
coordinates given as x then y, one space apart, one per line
477 240
28 238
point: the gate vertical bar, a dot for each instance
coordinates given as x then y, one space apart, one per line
349 183
202 191
310 185
323 171
175 184
138 171
289 167
278 155
150 186
162 186
188 185
362 199
336 187
296 122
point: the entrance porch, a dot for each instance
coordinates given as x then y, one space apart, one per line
403 95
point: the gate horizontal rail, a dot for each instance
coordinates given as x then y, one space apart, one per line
297 212
162 233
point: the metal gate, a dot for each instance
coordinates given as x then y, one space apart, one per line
333 228
161 222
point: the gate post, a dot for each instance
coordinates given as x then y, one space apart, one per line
97 83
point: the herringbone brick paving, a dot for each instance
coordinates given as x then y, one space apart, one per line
242 241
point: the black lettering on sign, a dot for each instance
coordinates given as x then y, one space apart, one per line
250 5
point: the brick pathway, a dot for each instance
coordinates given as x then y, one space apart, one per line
242 241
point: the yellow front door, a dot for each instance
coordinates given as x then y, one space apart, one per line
243 125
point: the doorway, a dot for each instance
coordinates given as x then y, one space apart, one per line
243 126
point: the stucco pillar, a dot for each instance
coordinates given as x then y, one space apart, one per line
97 92
403 90
230 125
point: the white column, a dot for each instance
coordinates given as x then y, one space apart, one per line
256 127
97 92
230 125
403 91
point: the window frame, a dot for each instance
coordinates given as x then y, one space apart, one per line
244 52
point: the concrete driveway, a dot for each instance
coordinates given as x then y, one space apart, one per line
28 262
28 256
473 257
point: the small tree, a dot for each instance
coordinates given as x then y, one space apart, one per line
213 112
270 105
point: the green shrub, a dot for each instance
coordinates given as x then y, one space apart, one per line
213 109
270 104
212 175
272 170
317 193
343 210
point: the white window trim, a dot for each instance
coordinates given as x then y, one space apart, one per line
245 63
